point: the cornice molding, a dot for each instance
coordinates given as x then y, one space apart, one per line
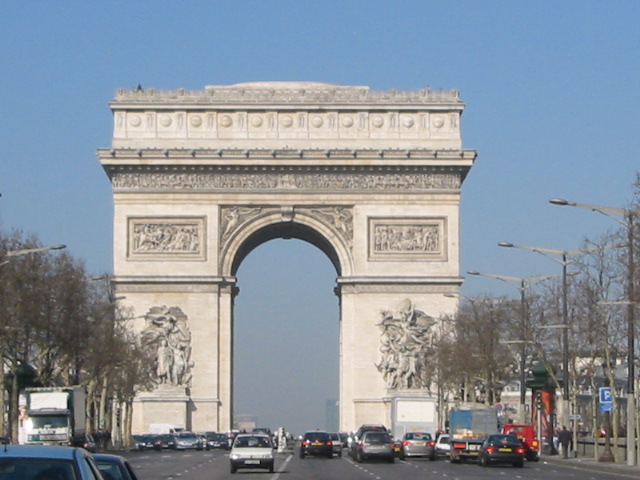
276 93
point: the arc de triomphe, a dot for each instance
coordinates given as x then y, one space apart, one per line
201 178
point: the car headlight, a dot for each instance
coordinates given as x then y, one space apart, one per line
234 456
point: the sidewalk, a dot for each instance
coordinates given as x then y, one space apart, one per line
585 463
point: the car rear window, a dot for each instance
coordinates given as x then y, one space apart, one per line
376 437
418 436
323 436
36 469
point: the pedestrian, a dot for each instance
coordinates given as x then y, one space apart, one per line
565 440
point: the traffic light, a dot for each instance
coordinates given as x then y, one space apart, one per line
539 405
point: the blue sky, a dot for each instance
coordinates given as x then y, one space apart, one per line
552 92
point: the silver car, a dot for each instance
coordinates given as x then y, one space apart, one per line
374 445
187 441
417 444
337 443
35 462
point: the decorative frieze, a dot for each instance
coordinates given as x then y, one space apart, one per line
165 237
307 180
407 238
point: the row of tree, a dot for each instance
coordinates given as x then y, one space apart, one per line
482 354
60 326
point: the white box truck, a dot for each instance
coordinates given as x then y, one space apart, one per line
55 414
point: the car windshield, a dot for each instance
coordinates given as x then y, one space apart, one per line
36 469
48 421
252 442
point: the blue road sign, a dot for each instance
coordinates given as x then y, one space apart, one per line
606 399
605 395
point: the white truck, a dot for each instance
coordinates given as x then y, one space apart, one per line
413 414
55 415
165 428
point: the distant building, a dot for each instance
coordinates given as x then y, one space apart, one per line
332 415
245 421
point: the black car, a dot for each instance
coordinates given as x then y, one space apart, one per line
501 449
217 440
143 442
85 441
316 443
164 441
114 467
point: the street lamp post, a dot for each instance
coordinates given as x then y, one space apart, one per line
521 283
563 260
628 223
27 251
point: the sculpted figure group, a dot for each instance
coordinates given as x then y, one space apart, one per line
167 331
405 344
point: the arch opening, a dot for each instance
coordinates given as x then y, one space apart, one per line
287 231
286 338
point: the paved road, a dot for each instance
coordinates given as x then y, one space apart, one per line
194 465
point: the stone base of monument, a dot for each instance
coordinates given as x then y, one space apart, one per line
166 405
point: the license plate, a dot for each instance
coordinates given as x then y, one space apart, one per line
474 447
419 444
316 444
252 462
504 449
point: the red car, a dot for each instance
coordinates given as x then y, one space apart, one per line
527 435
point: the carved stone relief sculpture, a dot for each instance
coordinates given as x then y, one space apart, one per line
410 238
160 236
234 216
167 332
405 344
341 218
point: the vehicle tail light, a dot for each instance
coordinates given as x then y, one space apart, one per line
431 443
491 449
534 444
405 443
519 450
306 442
329 443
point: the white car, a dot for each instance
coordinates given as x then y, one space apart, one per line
443 447
252 450
337 444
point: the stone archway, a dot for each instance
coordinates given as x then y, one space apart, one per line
201 178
